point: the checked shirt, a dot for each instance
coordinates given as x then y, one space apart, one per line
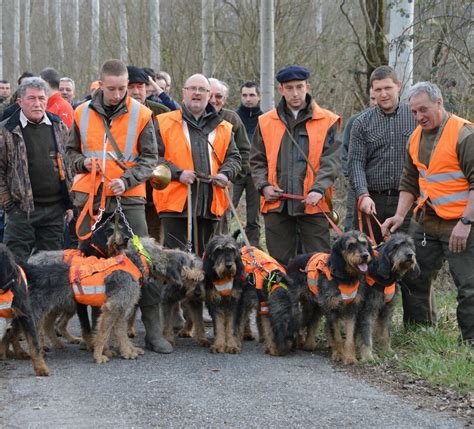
377 149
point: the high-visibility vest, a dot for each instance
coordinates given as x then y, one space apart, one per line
175 136
6 298
317 264
87 276
443 182
125 129
388 291
70 254
225 286
273 129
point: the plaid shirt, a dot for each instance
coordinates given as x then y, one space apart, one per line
377 149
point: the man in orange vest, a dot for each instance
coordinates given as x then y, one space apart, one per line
111 127
295 151
439 171
199 148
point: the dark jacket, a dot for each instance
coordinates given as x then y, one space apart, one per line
241 139
291 165
249 116
156 108
15 185
139 173
198 134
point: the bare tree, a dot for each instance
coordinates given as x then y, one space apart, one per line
155 43
75 24
58 32
123 31
208 31
94 41
26 34
401 41
16 38
267 55
1 40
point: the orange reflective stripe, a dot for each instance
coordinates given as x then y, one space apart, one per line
173 131
318 263
273 129
224 286
6 300
443 182
348 292
263 308
389 292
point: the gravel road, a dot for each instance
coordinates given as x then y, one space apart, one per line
193 388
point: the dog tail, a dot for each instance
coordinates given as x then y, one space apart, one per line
282 321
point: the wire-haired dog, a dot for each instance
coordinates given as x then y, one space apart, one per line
392 262
15 304
183 282
276 317
333 284
226 291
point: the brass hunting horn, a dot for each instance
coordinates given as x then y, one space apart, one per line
161 177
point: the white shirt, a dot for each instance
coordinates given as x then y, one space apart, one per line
24 120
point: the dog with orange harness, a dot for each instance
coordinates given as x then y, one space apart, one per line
15 305
332 285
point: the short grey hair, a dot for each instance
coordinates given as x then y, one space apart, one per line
32 82
68 79
428 88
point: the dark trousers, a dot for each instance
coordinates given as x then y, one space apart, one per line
386 206
252 199
350 203
2 224
419 304
282 232
43 230
175 232
153 223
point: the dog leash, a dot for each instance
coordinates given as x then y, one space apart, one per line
189 244
369 223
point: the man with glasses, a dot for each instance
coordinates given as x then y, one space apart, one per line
198 147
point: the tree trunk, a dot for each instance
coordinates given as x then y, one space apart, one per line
155 42
75 35
95 38
207 24
123 31
2 74
56 16
401 42
26 34
16 39
267 55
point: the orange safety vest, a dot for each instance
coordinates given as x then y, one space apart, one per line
318 264
125 129
224 286
273 129
443 182
87 276
388 291
173 130
6 298
70 254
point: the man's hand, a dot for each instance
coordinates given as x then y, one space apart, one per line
88 164
271 193
69 215
220 180
117 186
391 224
187 177
313 198
367 205
156 87
458 238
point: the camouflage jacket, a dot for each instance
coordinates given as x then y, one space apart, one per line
15 186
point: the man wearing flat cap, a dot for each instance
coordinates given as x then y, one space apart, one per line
295 152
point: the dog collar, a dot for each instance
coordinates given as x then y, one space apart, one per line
224 286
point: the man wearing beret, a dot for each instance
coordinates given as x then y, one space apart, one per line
295 152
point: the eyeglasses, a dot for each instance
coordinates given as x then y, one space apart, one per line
218 96
199 89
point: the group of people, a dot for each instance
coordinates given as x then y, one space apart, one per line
399 158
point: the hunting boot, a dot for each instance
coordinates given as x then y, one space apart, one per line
154 339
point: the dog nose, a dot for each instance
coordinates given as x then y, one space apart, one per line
365 256
410 256
228 264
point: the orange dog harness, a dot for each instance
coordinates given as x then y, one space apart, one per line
6 298
318 264
224 286
87 276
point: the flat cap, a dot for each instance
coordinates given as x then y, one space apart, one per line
137 75
293 72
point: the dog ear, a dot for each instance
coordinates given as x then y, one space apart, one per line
173 272
337 261
384 268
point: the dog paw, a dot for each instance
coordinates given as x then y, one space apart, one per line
309 346
203 342
21 355
185 333
217 348
75 340
132 333
130 354
42 371
336 356
101 359
349 360
138 350
233 350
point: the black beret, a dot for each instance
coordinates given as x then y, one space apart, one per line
293 72
137 75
